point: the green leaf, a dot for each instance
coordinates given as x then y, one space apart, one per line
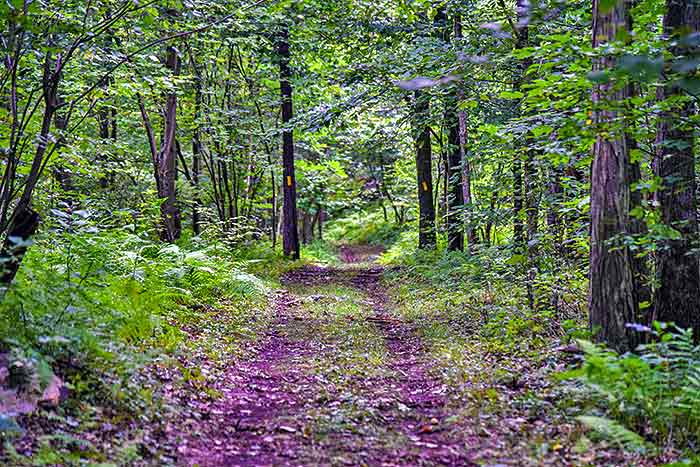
598 77
641 67
511 95
542 130
517 259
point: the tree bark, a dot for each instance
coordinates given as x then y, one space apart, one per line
424 170
453 172
612 297
290 232
455 199
167 158
677 298
24 224
24 221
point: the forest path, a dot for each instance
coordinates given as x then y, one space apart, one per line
338 380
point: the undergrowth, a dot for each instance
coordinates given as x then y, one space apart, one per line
648 400
96 307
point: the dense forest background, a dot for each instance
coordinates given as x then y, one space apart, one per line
525 172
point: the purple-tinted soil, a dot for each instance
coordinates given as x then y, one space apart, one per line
266 413
253 423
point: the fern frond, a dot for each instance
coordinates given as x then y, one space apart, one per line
614 432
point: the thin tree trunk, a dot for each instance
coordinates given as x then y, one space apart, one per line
290 232
455 200
471 230
455 193
167 160
424 169
24 221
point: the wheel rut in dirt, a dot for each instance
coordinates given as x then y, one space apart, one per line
253 422
411 403
281 408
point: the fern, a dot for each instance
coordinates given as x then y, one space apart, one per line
244 284
614 432
655 392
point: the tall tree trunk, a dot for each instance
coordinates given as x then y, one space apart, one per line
424 170
196 172
455 200
455 196
471 230
290 232
677 298
518 224
167 158
612 297
521 158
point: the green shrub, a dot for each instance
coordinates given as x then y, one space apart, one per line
97 305
363 227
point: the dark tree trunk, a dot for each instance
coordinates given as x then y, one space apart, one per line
521 159
455 200
24 224
453 172
167 158
612 298
424 169
471 230
24 221
471 237
196 149
290 232
518 224
677 298
196 172
107 122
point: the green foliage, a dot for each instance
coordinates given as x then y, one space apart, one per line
363 227
614 432
655 393
96 307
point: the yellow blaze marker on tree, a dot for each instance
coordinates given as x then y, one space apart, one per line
289 180
425 186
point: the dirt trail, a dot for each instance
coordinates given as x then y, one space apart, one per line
269 410
421 399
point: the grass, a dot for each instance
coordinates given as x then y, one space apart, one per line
337 316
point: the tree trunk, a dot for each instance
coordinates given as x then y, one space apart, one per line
196 151
677 298
24 221
453 172
424 170
23 225
167 158
471 230
290 233
612 297
455 199
518 225
196 172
